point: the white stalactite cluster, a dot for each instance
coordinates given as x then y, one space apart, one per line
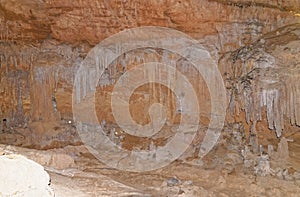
261 83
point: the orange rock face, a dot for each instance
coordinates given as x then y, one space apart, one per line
44 42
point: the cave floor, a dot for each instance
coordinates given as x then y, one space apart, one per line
89 177
98 181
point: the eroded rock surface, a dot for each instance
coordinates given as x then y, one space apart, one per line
254 43
89 177
44 42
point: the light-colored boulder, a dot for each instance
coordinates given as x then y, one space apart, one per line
21 177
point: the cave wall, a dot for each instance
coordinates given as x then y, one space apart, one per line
44 42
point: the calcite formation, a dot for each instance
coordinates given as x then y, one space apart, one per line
254 43
265 76
23 177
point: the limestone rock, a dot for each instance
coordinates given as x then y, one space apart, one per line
62 161
21 177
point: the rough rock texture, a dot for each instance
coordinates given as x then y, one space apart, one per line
55 158
266 74
89 177
255 45
93 20
44 42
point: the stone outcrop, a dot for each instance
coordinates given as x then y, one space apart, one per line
44 42
23 177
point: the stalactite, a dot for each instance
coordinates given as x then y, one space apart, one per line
260 83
